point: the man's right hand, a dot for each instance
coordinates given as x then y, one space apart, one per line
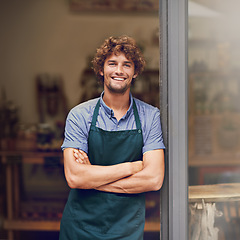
81 157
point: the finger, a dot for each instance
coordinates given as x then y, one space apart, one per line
77 156
81 156
87 161
75 153
85 157
83 153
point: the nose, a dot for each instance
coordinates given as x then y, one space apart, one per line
119 69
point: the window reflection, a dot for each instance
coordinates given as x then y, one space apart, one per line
214 118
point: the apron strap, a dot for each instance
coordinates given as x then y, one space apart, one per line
135 111
95 114
136 115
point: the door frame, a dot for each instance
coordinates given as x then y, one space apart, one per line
173 18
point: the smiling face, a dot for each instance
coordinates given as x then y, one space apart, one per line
118 72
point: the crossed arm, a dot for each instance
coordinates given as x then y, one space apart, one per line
128 177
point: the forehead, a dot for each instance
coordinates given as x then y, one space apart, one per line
121 57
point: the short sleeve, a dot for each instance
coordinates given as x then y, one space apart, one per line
76 132
154 137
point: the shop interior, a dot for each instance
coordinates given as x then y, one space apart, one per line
46 50
46 53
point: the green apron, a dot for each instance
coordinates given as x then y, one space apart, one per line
96 215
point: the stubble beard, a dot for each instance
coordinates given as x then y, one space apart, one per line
121 90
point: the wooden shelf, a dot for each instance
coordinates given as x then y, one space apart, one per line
24 225
30 157
227 192
203 161
151 226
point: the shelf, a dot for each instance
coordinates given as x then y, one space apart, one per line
203 161
30 156
23 225
202 43
152 226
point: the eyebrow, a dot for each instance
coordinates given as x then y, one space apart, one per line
123 62
128 62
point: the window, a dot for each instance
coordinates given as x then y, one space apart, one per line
214 117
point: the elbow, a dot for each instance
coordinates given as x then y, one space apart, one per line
71 182
74 181
156 184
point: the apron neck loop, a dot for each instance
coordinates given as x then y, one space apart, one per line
135 111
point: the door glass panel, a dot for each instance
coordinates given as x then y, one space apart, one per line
214 119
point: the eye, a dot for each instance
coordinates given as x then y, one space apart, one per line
127 65
111 63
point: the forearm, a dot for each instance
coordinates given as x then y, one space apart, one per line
137 183
92 176
150 178
86 176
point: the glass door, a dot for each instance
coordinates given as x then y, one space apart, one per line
214 119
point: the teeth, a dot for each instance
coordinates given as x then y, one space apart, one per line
120 79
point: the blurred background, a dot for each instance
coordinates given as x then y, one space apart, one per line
45 52
46 48
214 117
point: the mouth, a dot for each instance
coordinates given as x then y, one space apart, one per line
118 78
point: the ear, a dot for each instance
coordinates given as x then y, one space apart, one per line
135 75
101 73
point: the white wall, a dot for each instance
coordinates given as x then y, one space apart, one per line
43 36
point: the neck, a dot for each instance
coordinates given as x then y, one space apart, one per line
117 102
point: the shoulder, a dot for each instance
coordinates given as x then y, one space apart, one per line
83 110
145 109
149 117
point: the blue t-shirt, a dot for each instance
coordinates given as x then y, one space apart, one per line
80 117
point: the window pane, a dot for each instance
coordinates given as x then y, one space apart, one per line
214 119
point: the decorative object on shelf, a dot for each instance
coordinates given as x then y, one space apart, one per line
90 87
44 137
201 223
50 96
52 109
9 121
228 134
146 87
203 135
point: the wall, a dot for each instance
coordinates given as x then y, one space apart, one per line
42 36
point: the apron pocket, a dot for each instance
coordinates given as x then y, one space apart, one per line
125 213
108 213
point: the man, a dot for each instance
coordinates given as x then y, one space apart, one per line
113 152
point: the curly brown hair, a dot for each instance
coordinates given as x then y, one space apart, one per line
116 45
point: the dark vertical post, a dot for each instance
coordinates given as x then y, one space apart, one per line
173 104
